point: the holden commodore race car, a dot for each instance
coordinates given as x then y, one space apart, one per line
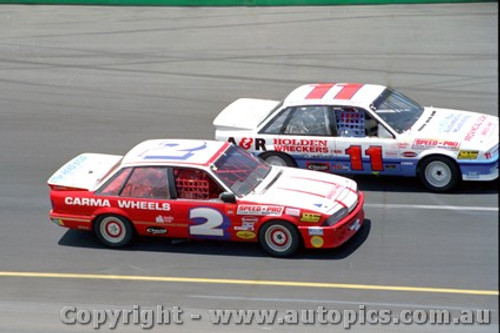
351 128
204 190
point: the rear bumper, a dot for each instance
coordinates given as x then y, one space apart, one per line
71 221
333 236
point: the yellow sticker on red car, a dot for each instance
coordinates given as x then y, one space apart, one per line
245 234
310 217
317 241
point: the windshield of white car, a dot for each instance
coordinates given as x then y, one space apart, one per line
397 110
240 171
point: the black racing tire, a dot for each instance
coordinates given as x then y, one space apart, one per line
439 173
113 230
277 158
279 239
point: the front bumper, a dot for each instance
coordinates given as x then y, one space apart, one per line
333 236
479 171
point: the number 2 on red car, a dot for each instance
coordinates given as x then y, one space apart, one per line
208 222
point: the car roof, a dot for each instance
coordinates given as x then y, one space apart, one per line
350 94
175 152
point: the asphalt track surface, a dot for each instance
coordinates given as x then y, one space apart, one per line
101 79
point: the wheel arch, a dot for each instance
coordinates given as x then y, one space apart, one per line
268 153
116 212
433 154
280 219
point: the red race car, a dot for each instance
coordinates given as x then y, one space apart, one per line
204 190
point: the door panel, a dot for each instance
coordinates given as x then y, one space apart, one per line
358 147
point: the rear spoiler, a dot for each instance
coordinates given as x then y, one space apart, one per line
84 171
244 113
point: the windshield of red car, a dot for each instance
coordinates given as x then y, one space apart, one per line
240 171
397 110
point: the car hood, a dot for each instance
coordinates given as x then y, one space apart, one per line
462 128
305 189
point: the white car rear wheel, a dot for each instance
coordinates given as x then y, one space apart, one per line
278 159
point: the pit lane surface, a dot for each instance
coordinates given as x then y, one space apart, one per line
99 79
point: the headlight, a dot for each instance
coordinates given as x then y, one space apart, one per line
336 217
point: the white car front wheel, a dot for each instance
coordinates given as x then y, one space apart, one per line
439 174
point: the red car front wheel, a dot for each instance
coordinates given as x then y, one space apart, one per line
279 239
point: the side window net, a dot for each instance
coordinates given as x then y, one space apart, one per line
350 123
195 184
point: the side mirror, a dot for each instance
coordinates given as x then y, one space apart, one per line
227 197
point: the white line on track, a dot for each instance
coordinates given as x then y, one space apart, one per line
434 207
318 301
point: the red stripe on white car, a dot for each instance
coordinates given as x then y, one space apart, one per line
319 91
348 91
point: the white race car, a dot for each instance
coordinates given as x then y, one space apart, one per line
351 128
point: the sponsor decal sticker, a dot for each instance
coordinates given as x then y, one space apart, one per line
355 225
261 210
475 127
340 166
59 222
409 154
164 219
452 123
301 145
69 169
433 143
247 223
90 202
292 212
245 226
127 204
249 143
315 231
317 241
491 153
249 219
473 175
335 191
403 145
156 230
144 205
467 154
317 166
310 217
246 234
392 153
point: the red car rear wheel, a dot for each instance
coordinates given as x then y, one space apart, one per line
113 230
